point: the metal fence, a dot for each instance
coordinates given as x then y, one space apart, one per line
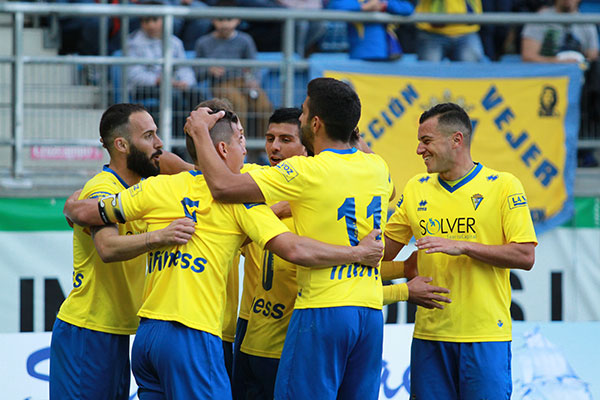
49 100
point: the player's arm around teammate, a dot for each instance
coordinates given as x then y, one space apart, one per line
308 252
417 289
114 247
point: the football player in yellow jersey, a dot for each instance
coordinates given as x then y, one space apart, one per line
178 353
231 303
457 42
333 346
263 321
232 329
89 351
471 225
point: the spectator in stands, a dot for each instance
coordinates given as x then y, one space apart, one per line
189 29
308 33
238 85
376 42
144 80
494 37
457 42
559 43
81 35
266 35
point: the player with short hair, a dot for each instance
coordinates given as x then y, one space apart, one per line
231 303
185 285
89 351
471 225
333 346
270 286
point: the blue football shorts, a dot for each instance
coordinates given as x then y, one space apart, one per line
237 375
228 357
171 361
332 353
87 364
258 376
465 371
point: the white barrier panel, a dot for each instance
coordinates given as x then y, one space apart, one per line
36 274
551 361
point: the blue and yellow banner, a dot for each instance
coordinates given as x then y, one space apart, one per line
525 120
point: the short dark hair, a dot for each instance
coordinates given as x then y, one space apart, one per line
221 132
215 104
451 118
289 115
114 122
145 18
336 104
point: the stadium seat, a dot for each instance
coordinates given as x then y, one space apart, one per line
510 58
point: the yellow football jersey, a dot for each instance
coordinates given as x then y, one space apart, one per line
187 283
449 7
272 306
252 262
105 296
231 304
338 197
487 207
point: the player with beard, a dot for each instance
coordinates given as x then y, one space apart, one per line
89 353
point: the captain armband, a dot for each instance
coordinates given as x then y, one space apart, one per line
111 210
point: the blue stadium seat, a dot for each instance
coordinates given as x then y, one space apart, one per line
510 58
409 58
589 6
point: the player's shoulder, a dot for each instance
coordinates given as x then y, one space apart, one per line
104 183
186 181
247 167
373 158
296 165
422 179
497 177
248 211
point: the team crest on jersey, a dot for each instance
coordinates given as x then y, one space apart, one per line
286 170
422 205
476 200
517 200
